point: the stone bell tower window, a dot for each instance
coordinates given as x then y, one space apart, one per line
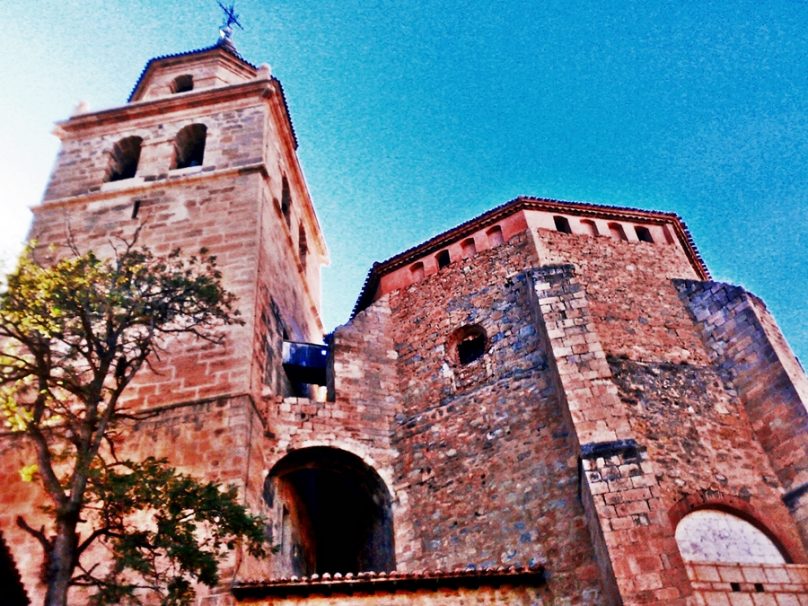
189 146
182 84
124 158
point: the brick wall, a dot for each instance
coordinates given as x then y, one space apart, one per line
748 584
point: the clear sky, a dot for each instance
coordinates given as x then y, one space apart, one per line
415 116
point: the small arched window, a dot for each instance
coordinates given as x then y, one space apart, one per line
591 227
124 158
189 146
714 535
643 234
494 236
286 201
562 224
417 271
443 259
617 231
468 247
182 84
469 343
302 245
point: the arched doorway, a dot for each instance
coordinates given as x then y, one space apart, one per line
331 513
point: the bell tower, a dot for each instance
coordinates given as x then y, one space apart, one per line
203 154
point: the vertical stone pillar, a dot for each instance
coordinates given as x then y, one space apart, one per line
751 354
632 536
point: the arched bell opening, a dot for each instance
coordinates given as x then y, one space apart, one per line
331 513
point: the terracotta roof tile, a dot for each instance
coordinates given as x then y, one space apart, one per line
197 51
391 581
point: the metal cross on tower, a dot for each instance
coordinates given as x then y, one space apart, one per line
231 18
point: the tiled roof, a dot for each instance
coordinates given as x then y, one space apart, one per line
391 581
198 51
230 49
521 203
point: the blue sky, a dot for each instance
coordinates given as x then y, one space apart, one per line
415 116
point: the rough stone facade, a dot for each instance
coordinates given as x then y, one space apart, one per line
521 410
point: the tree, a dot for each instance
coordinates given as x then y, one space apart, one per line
73 335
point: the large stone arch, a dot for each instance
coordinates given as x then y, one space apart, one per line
331 512
740 521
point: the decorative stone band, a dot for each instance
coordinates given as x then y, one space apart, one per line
594 450
371 582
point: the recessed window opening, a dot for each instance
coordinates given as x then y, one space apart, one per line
334 513
182 84
494 236
443 259
715 535
643 234
759 588
468 247
735 586
617 231
562 224
469 343
302 245
591 227
417 271
189 146
286 201
124 159
135 209
668 236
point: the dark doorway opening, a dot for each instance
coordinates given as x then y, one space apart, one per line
332 513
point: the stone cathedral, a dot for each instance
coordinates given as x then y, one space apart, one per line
549 404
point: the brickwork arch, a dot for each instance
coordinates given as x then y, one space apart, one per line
741 509
331 513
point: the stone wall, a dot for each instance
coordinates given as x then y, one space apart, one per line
485 455
752 357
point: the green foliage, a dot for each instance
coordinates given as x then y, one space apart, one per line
185 527
74 331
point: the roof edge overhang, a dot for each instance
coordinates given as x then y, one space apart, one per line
522 203
378 582
223 47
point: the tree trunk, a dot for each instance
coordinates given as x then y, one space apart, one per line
61 562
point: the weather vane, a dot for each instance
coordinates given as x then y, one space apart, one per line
231 19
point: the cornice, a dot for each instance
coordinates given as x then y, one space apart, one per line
262 88
522 203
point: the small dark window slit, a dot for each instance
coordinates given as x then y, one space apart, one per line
135 209
443 259
562 224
